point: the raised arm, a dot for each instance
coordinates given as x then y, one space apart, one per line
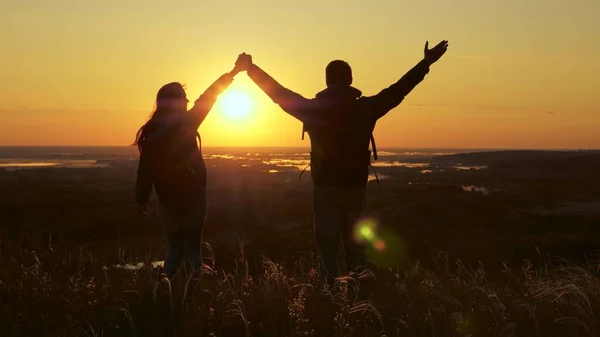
205 102
301 108
379 105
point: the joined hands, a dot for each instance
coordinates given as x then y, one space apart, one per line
243 63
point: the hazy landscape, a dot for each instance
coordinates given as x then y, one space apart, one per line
483 208
478 243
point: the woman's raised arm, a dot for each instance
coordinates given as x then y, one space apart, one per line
205 102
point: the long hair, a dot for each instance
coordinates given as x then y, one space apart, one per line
164 102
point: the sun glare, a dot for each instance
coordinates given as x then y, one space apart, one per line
236 104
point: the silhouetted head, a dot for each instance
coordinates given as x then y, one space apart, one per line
338 72
171 98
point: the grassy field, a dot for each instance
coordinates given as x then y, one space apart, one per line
517 260
70 294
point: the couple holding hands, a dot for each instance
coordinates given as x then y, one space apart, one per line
340 122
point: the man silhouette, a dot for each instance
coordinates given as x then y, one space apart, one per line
340 123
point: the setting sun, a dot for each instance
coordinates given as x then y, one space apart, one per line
236 104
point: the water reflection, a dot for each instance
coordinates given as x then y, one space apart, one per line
16 165
419 183
472 188
387 153
33 164
300 164
372 177
467 167
428 154
289 155
300 161
222 156
399 164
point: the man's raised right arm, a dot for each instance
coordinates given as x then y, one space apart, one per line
389 98
292 103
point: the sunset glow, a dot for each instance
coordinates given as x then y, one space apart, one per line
236 104
508 81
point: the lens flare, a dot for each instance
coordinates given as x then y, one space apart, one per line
387 250
380 245
367 233
365 230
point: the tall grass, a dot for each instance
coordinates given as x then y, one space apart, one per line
70 293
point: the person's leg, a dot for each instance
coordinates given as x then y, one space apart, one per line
192 241
355 205
327 222
173 235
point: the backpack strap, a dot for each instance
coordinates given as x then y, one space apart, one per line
375 157
307 166
301 173
375 173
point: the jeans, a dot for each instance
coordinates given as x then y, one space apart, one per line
183 233
336 212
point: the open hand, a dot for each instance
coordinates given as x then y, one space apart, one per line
434 54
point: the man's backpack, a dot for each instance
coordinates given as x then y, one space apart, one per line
373 146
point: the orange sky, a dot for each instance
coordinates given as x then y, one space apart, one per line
518 74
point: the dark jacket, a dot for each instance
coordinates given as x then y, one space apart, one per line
340 123
171 158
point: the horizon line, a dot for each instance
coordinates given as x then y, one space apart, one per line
308 147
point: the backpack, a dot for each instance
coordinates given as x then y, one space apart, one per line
373 146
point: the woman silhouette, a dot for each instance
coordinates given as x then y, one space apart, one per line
171 161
